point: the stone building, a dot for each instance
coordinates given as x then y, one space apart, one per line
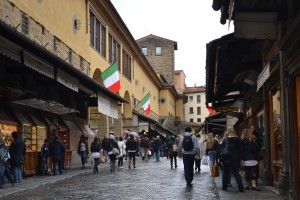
160 53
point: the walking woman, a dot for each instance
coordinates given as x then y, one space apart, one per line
83 150
131 148
250 148
122 146
110 151
173 152
95 153
211 149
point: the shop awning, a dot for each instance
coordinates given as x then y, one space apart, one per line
36 120
73 128
86 130
227 58
23 118
49 106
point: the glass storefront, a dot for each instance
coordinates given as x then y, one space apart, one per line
276 135
7 130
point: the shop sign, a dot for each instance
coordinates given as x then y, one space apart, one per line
263 76
67 80
107 106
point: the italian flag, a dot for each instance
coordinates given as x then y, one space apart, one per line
111 78
146 103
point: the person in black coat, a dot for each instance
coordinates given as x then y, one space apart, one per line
112 156
131 148
57 150
234 147
17 156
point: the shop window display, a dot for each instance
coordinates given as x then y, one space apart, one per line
276 137
7 130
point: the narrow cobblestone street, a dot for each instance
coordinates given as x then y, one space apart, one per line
150 180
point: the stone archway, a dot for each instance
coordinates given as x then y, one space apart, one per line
127 107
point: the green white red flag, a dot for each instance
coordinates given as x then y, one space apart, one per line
111 78
146 103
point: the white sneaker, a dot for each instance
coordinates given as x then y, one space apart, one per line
121 167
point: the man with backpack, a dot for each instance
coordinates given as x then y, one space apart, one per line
188 147
145 146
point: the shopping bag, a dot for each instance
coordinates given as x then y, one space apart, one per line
215 170
102 157
204 160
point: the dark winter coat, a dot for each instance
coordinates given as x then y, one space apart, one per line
112 144
235 150
95 146
250 150
17 152
131 146
57 150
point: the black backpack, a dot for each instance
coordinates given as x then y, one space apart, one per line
187 143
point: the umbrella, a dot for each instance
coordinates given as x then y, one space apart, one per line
8 174
132 133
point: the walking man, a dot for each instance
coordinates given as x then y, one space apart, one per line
145 145
188 147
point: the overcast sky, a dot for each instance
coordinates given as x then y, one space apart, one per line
191 23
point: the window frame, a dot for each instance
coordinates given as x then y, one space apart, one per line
191 110
126 65
97 34
199 110
158 53
114 50
199 99
145 53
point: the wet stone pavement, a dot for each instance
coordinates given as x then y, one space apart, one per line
150 180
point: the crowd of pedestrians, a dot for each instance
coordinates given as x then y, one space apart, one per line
229 150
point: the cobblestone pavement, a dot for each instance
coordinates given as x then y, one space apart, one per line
150 180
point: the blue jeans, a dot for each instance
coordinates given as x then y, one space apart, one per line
2 179
212 154
44 165
59 163
157 155
188 162
83 155
17 174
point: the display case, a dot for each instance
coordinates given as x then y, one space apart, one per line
64 137
26 133
41 136
7 131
